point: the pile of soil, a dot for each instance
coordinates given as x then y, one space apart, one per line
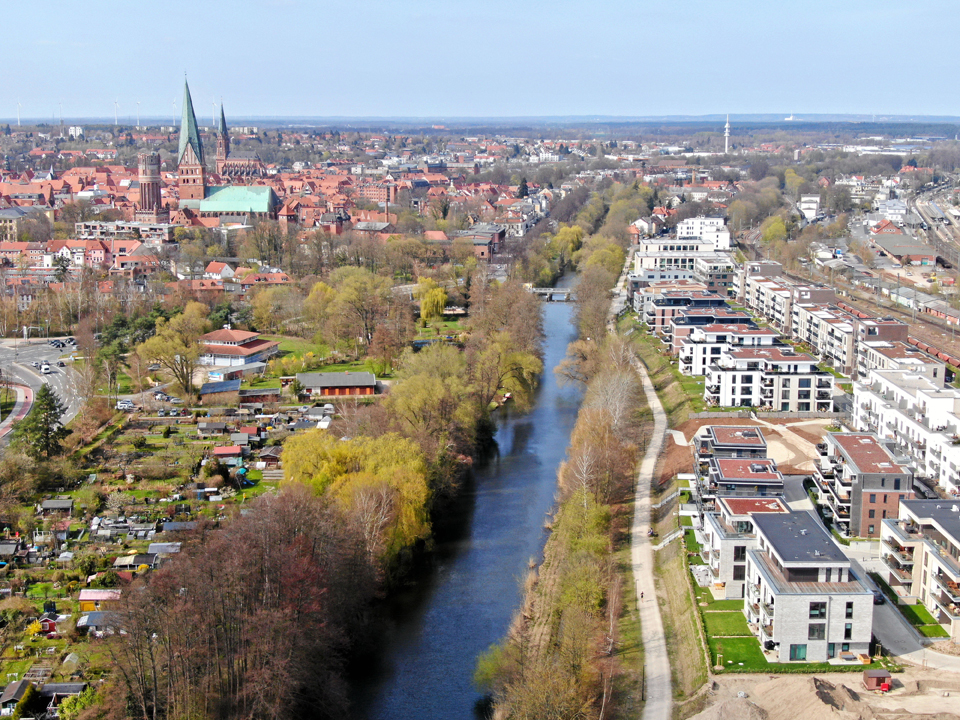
947 647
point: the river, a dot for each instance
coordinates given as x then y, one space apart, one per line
465 602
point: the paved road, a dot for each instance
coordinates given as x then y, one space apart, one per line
15 362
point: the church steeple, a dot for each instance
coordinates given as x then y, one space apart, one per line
189 132
223 142
191 173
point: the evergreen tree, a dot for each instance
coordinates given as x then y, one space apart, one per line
41 431
522 190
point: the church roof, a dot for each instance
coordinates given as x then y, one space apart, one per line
189 132
239 199
222 127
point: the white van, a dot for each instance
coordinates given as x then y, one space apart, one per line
45 369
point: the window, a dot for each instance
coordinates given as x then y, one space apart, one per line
817 631
848 631
849 614
896 483
873 498
845 647
883 482
870 530
785 383
739 572
872 514
803 407
803 382
883 514
818 610
803 394
714 351
784 394
785 407
740 553
798 652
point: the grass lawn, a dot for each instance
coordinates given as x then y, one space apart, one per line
8 398
933 631
726 623
691 540
686 521
627 689
738 652
296 346
262 382
705 596
917 614
683 483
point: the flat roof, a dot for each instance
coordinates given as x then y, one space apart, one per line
798 538
748 435
866 453
943 513
748 469
749 506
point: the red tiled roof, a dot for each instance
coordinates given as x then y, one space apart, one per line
250 348
224 336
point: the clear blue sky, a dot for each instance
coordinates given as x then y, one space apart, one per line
477 58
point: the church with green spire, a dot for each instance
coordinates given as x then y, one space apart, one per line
247 201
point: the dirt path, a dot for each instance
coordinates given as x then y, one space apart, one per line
659 703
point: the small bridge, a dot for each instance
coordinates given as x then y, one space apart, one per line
549 294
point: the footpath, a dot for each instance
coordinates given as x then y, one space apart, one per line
19 411
656 662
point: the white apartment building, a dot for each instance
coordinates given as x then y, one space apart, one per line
728 534
755 269
666 256
897 355
705 344
711 230
921 550
809 206
776 377
919 416
802 595
717 273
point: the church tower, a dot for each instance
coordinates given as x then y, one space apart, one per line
192 177
223 143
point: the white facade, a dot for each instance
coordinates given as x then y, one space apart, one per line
921 416
802 594
704 229
706 344
776 378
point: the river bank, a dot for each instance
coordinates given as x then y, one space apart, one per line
448 613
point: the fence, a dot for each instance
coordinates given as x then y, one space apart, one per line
746 414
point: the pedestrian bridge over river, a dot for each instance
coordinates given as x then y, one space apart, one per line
550 294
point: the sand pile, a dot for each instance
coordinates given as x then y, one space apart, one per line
947 647
733 709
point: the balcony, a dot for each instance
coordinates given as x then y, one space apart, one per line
950 588
824 395
903 555
767 630
823 383
768 610
951 609
766 382
898 572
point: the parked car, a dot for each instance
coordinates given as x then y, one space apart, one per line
45 369
35 364
61 363
161 413
304 408
175 400
125 405
878 598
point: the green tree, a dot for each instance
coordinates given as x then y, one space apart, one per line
774 230
41 431
432 303
522 190
176 345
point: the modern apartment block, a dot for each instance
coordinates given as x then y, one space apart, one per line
728 535
921 549
862 483
898 355
729 441
740 477
705 344
659 309
682 325
802 595
919 417
776 377
717 273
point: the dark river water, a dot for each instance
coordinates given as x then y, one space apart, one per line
440 623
